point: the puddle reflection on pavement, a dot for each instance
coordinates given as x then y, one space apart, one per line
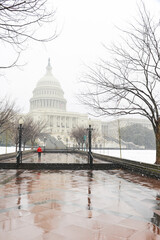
75 205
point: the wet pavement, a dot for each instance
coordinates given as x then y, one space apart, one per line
76 205
51 158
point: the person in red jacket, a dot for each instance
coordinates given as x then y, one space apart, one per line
39 150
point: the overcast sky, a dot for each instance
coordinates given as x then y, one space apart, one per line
83 26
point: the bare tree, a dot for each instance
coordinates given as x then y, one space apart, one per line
37 129
78 134
129 83
8 112
21 20
13 130
30 130
27 130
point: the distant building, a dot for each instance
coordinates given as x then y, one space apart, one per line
48 103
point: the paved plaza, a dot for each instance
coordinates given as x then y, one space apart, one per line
77 205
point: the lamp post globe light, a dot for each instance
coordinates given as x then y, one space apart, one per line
19 155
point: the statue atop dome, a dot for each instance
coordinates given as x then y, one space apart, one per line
49 68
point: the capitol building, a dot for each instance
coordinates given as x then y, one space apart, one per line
48 104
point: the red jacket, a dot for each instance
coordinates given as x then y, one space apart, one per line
39 149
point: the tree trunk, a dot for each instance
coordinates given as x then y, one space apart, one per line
32 143
158 144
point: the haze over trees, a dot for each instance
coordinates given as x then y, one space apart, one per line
80 134
128 82
8 112
139 135
31 130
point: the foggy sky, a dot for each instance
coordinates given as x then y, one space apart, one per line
82 26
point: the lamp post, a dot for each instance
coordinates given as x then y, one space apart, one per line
90 157
19 155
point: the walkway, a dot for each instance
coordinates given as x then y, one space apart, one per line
54 161
78 205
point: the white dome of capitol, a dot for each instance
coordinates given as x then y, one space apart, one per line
48 93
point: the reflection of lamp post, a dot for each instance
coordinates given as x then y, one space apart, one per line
19 155
90 157
90 176
119 135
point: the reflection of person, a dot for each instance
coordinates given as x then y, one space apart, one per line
39 150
